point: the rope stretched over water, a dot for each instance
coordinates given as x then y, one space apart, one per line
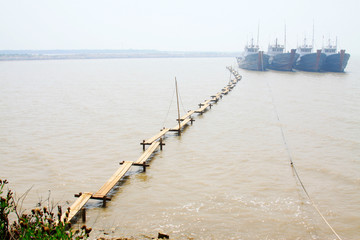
293 166
172 98
167 114
182 105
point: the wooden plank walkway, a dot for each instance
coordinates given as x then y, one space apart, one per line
216 98
202 109
154 138
231 86
189 113
206 102
182 124
142 159
225 90
101 194
77 205
105 189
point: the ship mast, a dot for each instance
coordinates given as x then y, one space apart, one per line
257 42
336 43
177 98
285 39
313 34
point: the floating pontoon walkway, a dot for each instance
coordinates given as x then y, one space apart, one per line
154 142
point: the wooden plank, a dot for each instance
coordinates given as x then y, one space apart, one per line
206 102
77 205
216 97
105 189
182 124
142 159
157 136
226 90
187 115
202 109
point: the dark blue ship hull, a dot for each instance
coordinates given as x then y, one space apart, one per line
336 62
284 61
312 62
255 62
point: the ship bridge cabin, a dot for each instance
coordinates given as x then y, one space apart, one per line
304 49
252 49
330 49
275 49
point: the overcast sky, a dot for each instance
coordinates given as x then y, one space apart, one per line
179 25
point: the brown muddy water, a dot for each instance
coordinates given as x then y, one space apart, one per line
66 125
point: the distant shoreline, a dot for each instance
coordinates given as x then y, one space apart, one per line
15 55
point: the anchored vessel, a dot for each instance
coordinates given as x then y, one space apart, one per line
309 61
253 59
279 60
335 61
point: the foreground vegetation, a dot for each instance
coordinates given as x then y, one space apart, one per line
40 223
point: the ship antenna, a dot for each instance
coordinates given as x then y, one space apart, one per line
257 42
336 43
297 41
285 38
313 34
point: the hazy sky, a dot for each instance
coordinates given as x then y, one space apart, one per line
180 25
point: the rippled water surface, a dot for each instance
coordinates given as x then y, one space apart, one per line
66 125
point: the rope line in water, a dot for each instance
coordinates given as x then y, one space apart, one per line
293 165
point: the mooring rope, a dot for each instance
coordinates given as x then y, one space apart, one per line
167 114
293 166
182 105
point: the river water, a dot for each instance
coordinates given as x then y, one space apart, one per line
66 124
